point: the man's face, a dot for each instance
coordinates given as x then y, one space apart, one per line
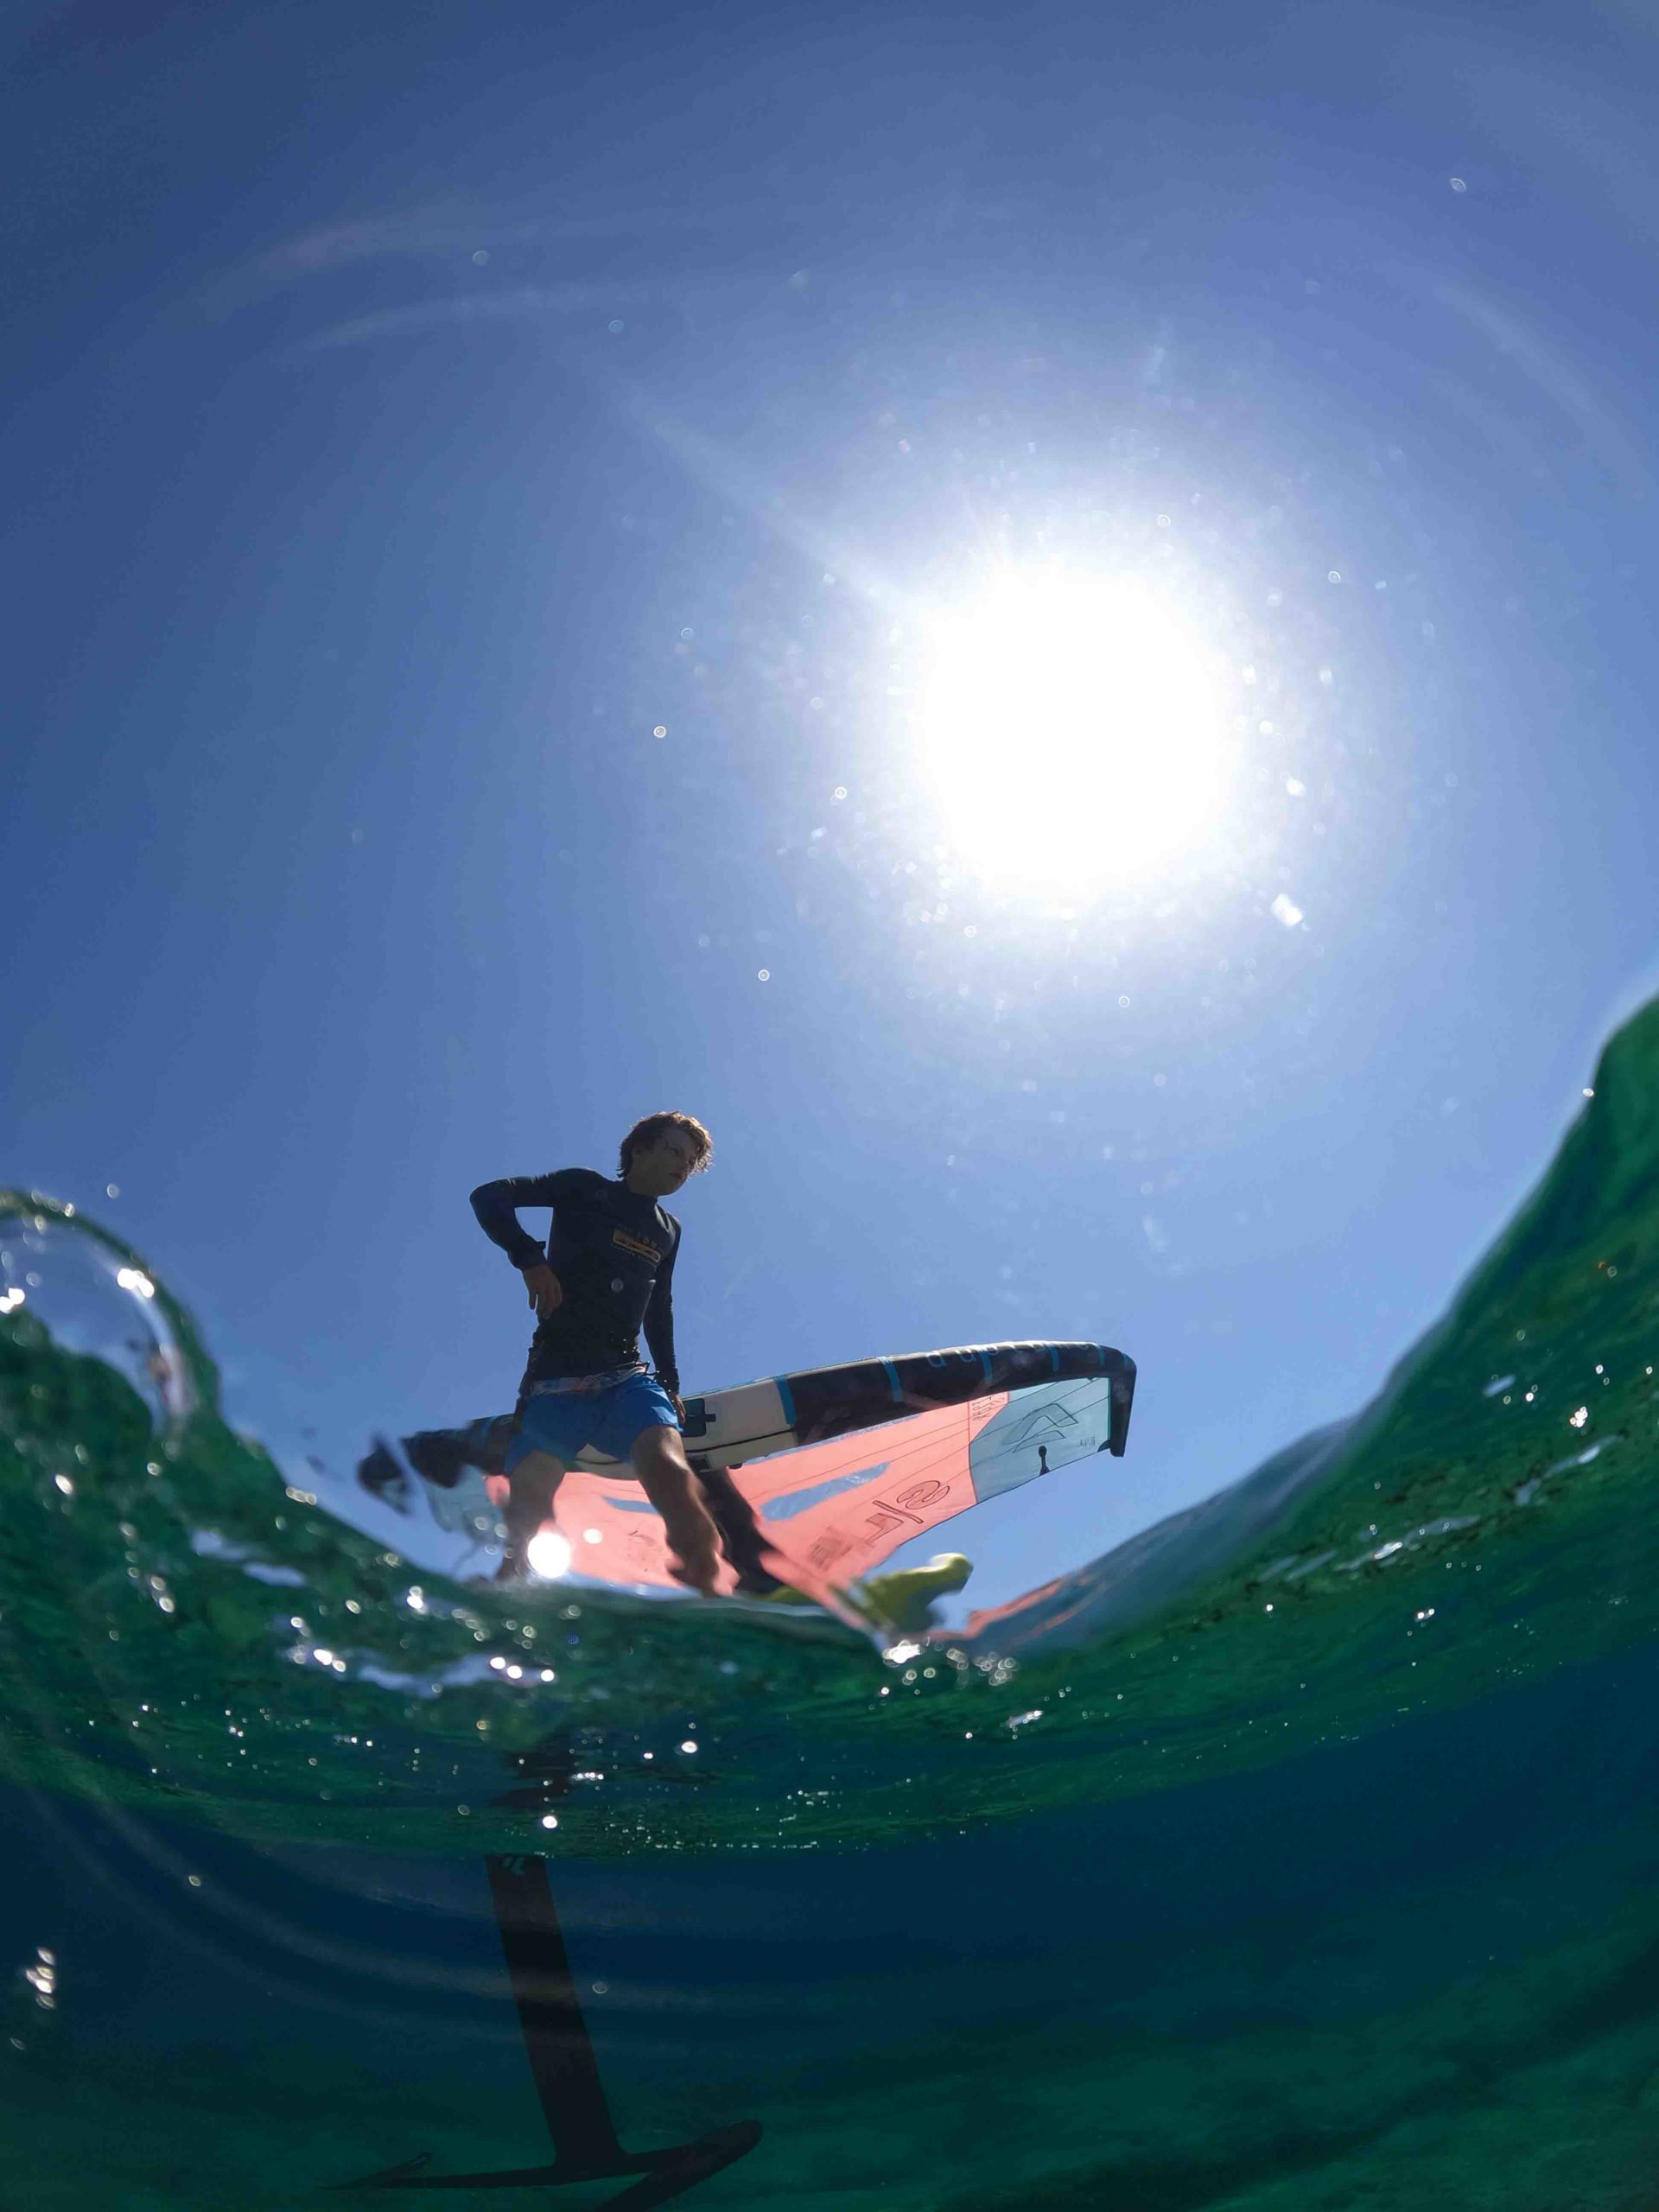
661 1168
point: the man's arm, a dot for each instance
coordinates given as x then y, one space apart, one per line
497 1207
660 1324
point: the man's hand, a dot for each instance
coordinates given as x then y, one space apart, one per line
543 1284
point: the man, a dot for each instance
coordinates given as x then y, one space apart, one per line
606 1273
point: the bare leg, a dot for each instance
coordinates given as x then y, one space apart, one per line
693 1541
740 1533
533 1481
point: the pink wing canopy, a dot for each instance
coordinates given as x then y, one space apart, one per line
837 1509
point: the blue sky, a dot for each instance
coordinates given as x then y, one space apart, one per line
412 409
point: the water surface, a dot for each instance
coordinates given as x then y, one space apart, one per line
1297 1854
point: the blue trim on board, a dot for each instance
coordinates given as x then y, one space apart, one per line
892 1374
786 1397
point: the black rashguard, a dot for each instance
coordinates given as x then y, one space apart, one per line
613 1252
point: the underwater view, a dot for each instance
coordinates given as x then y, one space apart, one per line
1300 1852
829 1145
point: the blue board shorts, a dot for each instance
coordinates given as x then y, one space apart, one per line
610 1419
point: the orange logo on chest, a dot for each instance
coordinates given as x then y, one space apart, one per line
638 1245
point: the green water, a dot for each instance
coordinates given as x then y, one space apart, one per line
1301 1855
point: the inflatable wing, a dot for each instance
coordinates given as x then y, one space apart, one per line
831 1468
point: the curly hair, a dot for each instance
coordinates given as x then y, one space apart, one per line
647 1131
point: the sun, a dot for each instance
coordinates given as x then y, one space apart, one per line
1073 730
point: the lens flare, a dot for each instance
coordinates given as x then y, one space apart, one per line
548 1555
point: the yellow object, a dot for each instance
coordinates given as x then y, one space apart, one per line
904 1601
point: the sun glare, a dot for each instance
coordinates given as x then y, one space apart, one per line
1074 731
549 1555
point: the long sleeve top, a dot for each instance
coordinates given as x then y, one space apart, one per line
614 1254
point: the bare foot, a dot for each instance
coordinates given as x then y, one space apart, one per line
695 1565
